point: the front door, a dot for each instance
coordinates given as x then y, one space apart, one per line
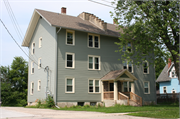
111 86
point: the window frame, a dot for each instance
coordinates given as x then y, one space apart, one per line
40 59
147 67
163 89
172 91
93 41
39 89
94 56
73 60
32 67
32 92
94 86
148 87
40 42
73 32
33 48
125 47
73 84
128 66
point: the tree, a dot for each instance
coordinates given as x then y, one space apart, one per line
151 26
14 82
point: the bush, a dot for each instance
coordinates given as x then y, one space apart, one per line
49 102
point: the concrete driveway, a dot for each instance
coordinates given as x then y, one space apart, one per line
31 113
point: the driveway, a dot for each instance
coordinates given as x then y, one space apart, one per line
32 113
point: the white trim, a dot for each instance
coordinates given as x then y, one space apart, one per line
32 48
40 42
172 63
32 66
148 87
31 89
94 86
163 89
94 56
73 60
39 63
147 67
93 40
40 85
73 84
173 90
128 66
73 32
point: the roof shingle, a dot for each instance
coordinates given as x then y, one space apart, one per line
76 23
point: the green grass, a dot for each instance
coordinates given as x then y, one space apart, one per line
154 111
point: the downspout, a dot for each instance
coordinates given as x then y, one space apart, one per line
56 68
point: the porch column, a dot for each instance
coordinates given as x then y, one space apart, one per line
115 91
102 91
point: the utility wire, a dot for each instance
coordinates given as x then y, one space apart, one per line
102 4
16 25
17 43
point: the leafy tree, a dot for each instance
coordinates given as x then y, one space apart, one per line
151 26
14 83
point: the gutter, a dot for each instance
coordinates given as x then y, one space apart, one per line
56 67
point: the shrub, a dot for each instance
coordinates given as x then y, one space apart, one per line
49 102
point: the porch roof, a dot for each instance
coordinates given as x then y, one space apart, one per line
114 75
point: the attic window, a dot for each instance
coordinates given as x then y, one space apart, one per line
173 74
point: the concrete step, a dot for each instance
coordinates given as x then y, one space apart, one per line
109 103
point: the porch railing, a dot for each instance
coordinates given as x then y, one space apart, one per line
121 96
134 97
109 95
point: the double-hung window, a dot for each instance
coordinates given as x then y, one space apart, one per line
32 88
146 87
39 85
164 89
173 74
69 88
128 65
33 48
94 62
70 37
40 42
145 67
94 86
70 63
127 47
32 67
39 63
93 41
127 86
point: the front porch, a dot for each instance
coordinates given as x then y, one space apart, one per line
118 86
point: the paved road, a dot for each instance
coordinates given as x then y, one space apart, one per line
31 113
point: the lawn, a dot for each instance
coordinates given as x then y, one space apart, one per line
155 111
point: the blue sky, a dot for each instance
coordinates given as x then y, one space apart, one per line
23 10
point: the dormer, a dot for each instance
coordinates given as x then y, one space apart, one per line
94 20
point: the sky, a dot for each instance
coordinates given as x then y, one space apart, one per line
23 10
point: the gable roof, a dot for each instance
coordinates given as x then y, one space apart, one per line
68 22
164 75
113 75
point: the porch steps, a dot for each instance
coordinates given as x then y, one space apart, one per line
109 103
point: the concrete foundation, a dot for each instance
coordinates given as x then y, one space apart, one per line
68 104
122 102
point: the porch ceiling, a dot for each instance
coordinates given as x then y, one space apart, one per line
116 75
